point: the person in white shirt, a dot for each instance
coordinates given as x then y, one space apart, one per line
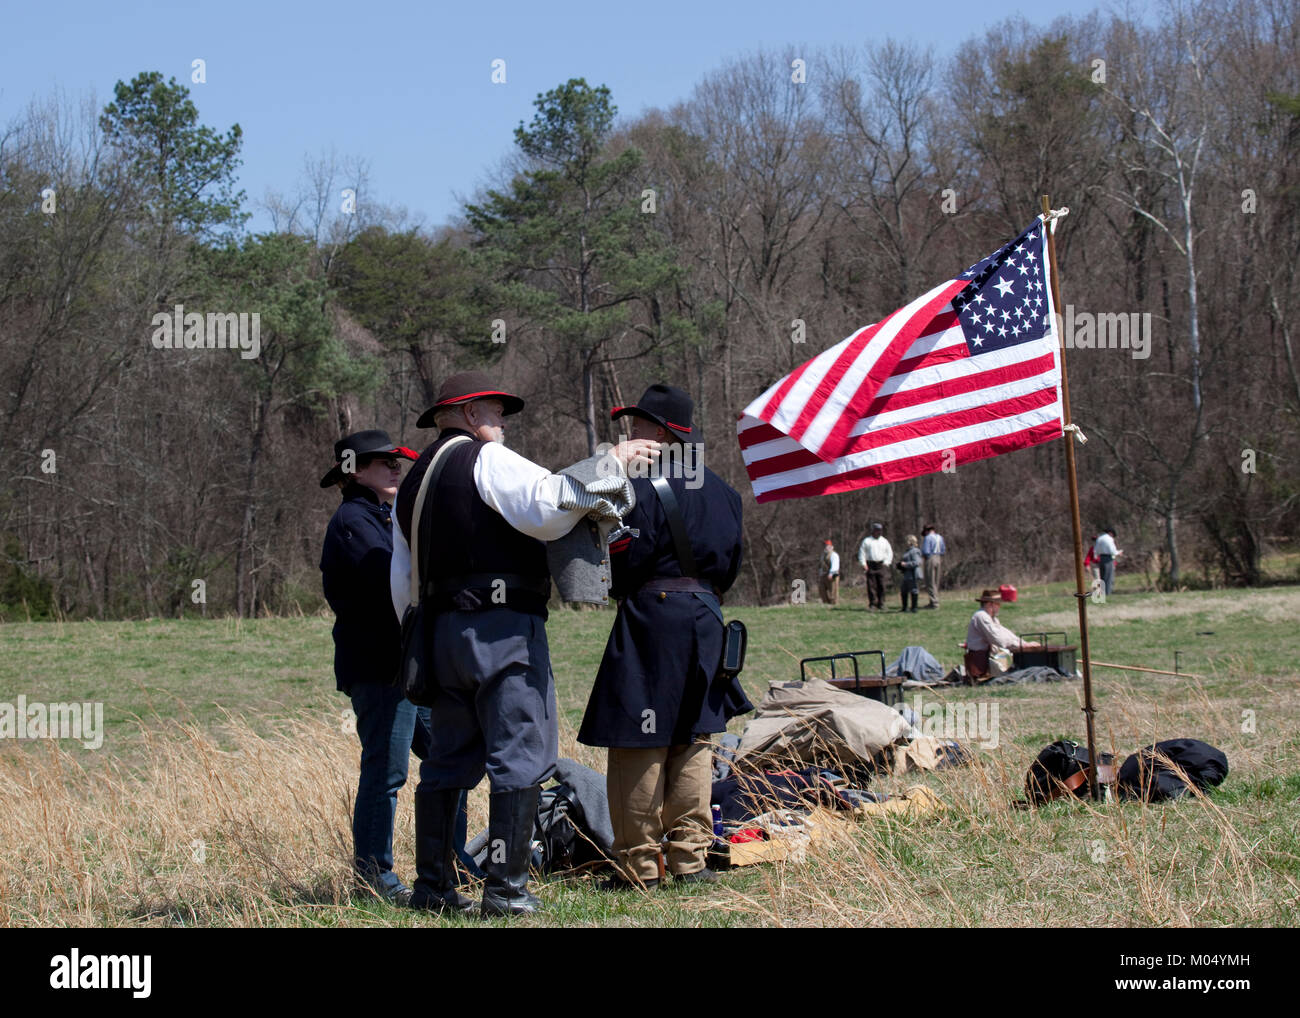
986 638
829 575
1107 553
485 586
875 556
933 549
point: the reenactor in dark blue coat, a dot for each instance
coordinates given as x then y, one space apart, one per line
354 566
659 694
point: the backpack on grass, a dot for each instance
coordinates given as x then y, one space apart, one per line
1062 770
561 838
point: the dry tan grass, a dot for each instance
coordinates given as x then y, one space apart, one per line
117 845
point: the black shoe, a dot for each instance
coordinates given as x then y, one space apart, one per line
399 896
435 867
704 876
511 816
930 606
618 883
450 900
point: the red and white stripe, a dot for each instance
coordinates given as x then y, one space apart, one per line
900 399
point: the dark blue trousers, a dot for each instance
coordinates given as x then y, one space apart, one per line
494 711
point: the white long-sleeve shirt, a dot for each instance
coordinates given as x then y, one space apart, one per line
528 497
831 562
1105 545
875 549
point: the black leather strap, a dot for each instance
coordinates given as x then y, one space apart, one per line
676 525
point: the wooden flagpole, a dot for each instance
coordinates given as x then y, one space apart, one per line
1081 591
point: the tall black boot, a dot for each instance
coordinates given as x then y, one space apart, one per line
511 816
435 829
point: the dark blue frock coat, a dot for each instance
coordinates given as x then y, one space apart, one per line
658 682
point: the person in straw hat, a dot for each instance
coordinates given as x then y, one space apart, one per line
986 638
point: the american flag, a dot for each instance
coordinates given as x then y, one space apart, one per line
966 371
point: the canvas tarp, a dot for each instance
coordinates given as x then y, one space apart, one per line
917 664
809 722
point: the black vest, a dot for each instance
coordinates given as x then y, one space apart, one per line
470 538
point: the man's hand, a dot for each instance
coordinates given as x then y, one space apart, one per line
1030 645
636 455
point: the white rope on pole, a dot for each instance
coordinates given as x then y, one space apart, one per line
1051 217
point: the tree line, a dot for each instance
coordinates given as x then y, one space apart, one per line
792 198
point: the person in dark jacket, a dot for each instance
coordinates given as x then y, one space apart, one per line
658 696
367 646
910 565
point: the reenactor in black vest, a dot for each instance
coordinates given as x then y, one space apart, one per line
355 564
659 694
488 584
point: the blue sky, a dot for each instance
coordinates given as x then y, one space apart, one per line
407 86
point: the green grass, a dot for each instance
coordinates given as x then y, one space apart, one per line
170 670
229 732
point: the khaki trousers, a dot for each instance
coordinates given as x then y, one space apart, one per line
831 589
658 791
933 576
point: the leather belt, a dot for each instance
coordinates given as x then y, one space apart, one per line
689 585
488 581
1106 775
679 584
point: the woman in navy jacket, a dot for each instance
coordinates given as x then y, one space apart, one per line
367 645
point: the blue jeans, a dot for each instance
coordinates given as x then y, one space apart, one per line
390 728
1107 571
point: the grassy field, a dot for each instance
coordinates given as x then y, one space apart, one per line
222 792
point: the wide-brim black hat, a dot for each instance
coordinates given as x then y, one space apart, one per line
363 444
666 405
464 388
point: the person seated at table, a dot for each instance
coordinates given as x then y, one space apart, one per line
986 638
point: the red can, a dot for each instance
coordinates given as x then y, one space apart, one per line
1007 591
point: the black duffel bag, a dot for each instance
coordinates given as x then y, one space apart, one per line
1152 773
